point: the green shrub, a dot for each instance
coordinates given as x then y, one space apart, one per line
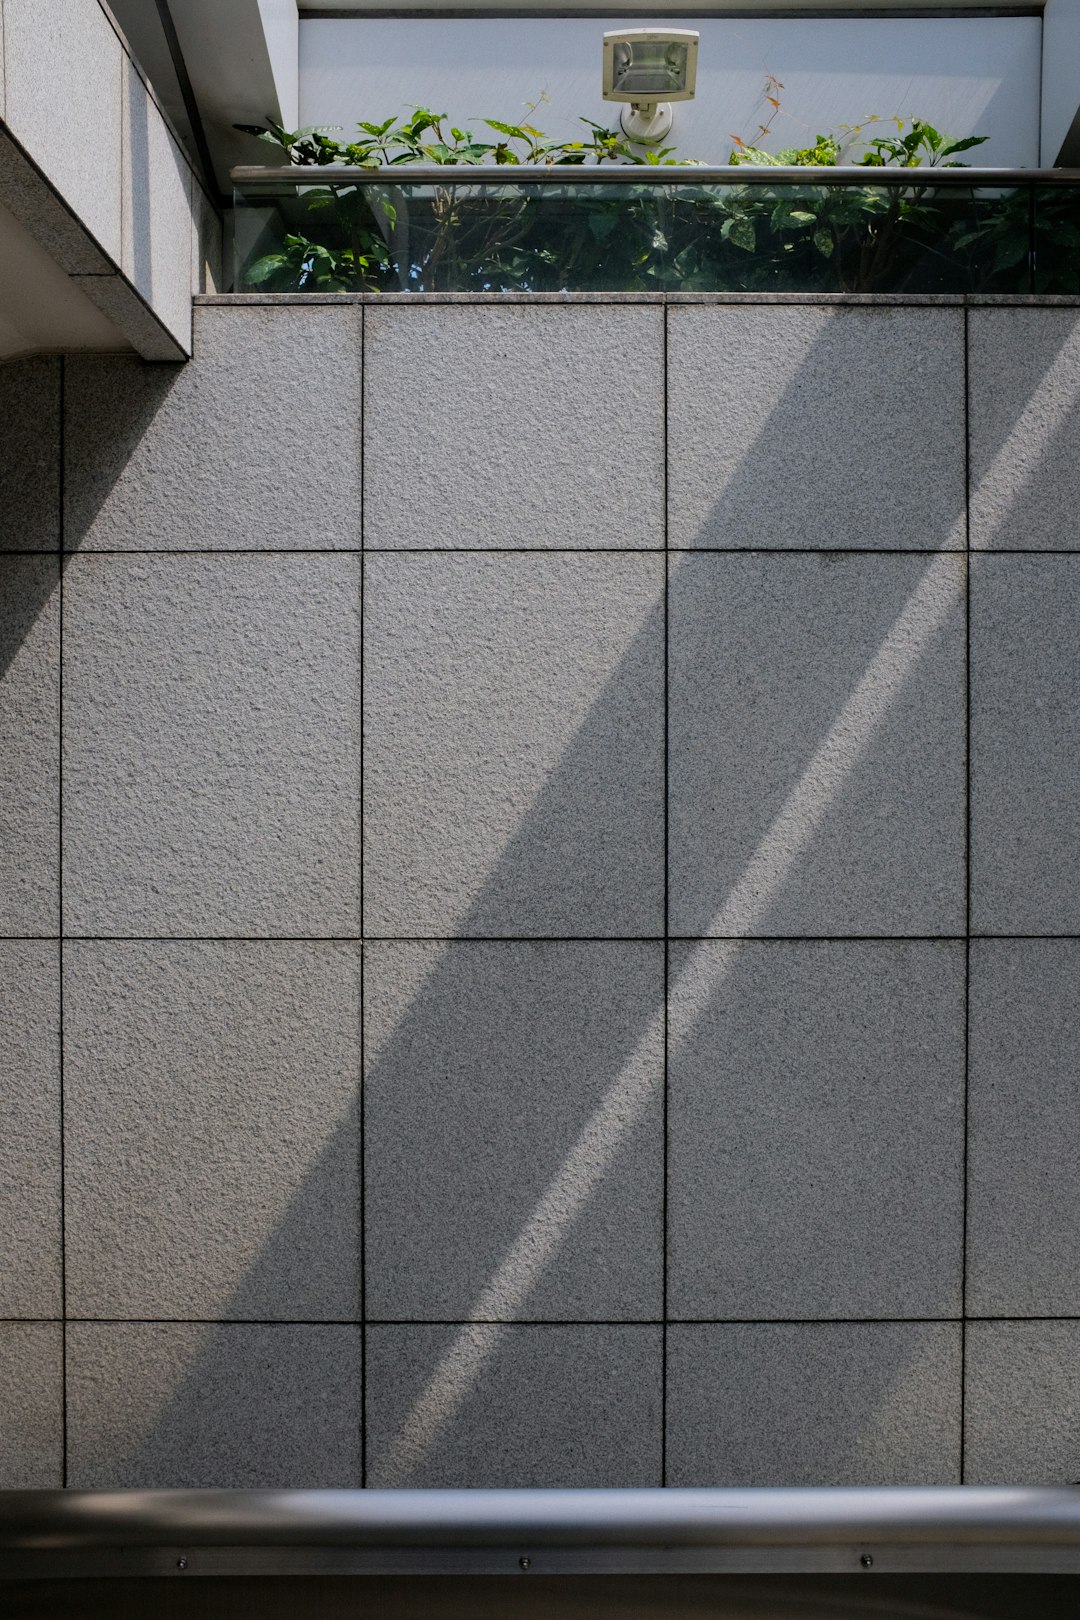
807 236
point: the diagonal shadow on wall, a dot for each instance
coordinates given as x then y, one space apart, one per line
28 582
807 757
29 755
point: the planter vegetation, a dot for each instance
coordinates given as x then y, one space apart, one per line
686 234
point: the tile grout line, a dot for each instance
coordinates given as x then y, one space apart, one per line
60 924
538 939
757 552
362 1099
667 911
967 888
538 1321
540 551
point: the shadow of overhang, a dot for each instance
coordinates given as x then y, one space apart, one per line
51 268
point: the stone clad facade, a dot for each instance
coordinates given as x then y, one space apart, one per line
539 897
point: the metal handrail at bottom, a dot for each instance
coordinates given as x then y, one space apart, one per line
188 1533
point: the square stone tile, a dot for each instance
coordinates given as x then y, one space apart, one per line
1024 1125
29 1128
816 756
210 1099
784 421
29 744
816 1123
31 1406
818 1403
521 426
1025 416
157 210
507 1407
160 1404
514 745
57 55
30 454
497 1073
1025 745
1022 1406
254 445
212 745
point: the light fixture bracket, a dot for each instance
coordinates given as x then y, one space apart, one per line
646 125
648 69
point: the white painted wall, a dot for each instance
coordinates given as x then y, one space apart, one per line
717 7
967 75
1061 79
280 23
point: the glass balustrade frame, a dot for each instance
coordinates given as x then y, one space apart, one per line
623 229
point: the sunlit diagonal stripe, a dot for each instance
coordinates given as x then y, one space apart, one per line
1021 461
745 907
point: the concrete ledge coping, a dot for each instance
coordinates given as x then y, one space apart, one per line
888 300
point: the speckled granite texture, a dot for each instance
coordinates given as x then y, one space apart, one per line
526 907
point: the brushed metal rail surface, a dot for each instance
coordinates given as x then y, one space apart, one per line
210 1532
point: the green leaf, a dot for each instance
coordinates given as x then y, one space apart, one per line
1010 250
823 241
964 145
421 120
754 154
741 232
513 130
264 268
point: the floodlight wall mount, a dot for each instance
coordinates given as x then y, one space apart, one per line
646 126
647 69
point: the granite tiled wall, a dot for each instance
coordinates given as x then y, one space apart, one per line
91 168
539 908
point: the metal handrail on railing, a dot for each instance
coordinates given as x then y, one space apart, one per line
741 174
940 1530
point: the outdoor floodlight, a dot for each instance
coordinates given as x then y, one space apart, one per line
649 68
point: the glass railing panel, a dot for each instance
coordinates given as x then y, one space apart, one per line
1056 232
464 233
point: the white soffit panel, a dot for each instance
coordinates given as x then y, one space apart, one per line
41 309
